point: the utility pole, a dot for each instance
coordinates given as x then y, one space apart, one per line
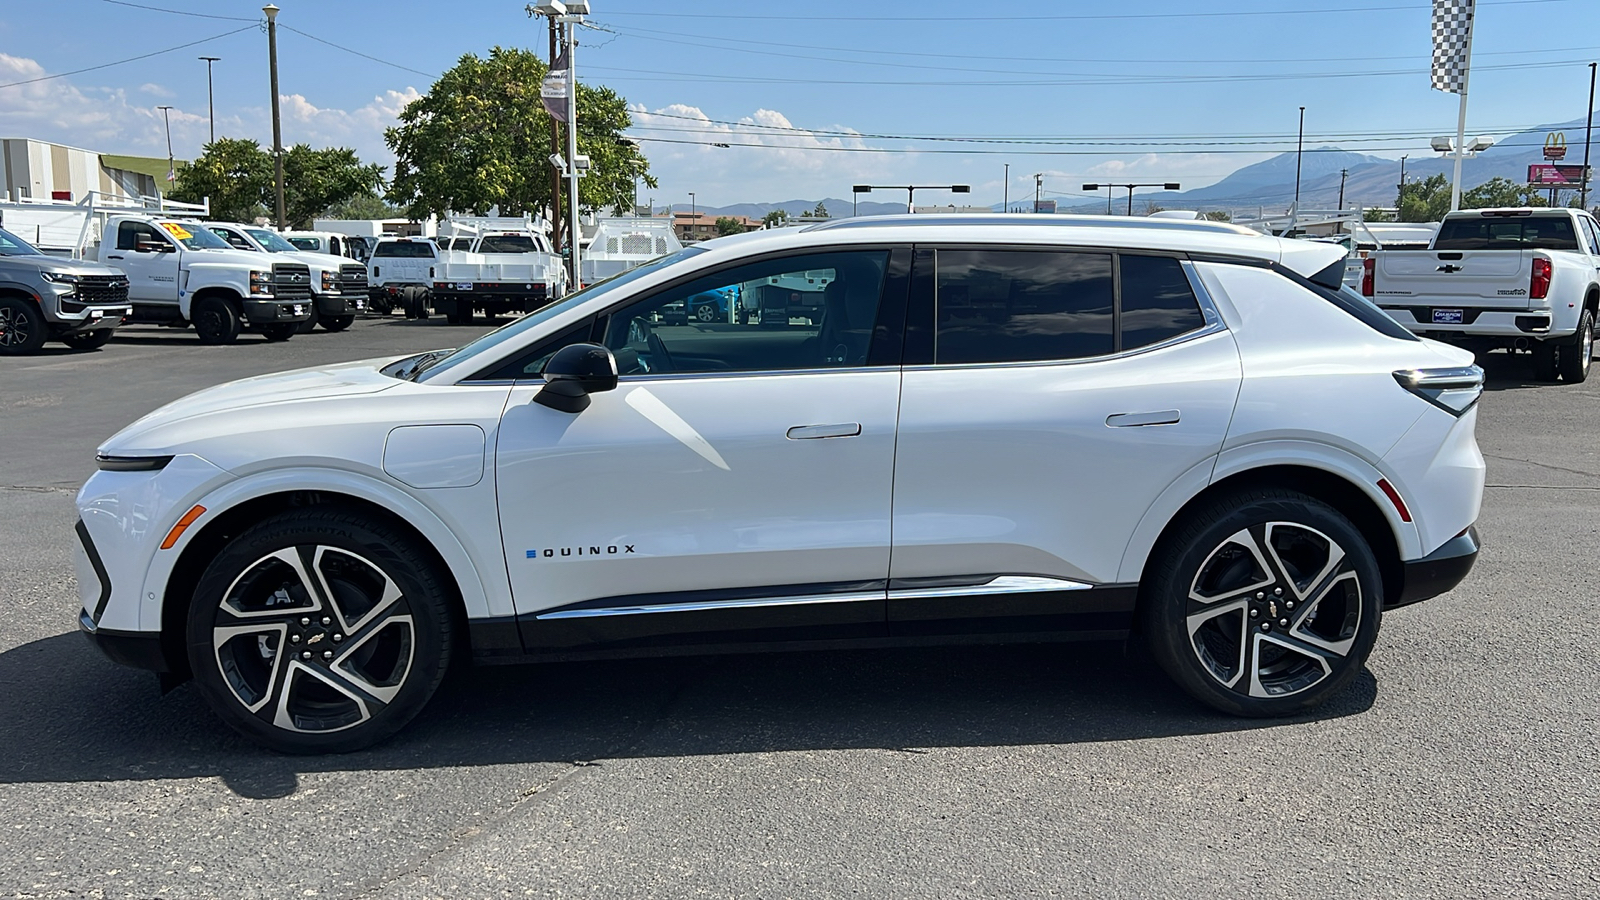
1005 190
1300 149
693 216
1588 132
166 114
572 137
277 128
1343 174
557 225
1038 184
211 97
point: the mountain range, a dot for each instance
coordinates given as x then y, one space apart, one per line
1269 185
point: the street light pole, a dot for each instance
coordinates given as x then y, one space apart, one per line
1038 184
910 189
573 233
1299 151
1588 132
166 115
277 129
1164 185
694 216
211 97
1005 191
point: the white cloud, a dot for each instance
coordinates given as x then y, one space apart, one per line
156 90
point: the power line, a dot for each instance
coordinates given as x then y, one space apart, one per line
967 19
130 59
179 12
358 52
975 152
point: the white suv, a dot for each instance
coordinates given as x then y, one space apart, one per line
1001 428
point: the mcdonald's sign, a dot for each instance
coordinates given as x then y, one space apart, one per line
1555 146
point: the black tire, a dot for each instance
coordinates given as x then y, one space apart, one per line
1574 357
89 340
357 668
1544 361
460 313
280 332
338 323
216 321
416 302
311 321
1219 611
22 328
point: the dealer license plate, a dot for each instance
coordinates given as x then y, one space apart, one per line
298 309
463 285
1447 317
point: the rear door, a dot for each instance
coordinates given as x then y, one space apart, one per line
1049 397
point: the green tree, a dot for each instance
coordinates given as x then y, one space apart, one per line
1377 215
821 212
1217 215
235 173
775 218
1502 192
364 206
727 225
480 139
1424 201
314 180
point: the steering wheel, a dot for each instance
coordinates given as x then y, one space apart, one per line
660 359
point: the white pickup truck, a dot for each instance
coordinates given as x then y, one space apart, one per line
1519 279
179 272
503 272
338 285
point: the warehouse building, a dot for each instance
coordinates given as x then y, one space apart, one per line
40 170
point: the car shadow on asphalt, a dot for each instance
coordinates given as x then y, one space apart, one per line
1504 371
67 715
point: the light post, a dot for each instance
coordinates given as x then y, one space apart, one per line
910 189
1005 190
1588 132
211 96
570 13
1299 150
1108 187
166 115
277 128
1458 151
1164 185
694 216
1038 185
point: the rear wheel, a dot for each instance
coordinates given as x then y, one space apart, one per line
280 332
380 304
338 323
1264 604
319 631
416 302
1575 355
21 327
311 321
216 321
88 340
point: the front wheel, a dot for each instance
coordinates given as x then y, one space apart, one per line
1575 355
1266 603
338 323
319 631
216 321
280 332
89 340
311 321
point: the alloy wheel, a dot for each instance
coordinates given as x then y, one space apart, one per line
314 639
15 329
1274 609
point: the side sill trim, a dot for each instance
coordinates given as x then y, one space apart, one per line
1001 584
704 606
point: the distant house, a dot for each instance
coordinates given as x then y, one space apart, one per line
40 170
699 226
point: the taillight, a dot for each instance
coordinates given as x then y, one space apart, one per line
1453 390
1540 286
1369 268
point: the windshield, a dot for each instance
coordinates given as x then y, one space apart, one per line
271 240
194 236
11 245
516 328
305 243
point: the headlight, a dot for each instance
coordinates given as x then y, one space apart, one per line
59 277
260 282
131 463
328 282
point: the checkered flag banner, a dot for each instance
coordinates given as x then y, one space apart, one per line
1452 32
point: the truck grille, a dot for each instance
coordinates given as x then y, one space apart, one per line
291 281
102 289
353 279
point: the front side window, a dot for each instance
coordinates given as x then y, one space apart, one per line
131 234
1001 306
811 311
11 245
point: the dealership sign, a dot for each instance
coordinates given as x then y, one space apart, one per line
1555 176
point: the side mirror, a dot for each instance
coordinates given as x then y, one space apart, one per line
154 247
575 372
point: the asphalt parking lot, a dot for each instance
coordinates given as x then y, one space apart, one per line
1462 764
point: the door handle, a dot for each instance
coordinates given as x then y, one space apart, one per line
113 257
812 432
1134 420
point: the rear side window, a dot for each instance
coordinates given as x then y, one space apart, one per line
405 250
998 306
1496 232
1158 303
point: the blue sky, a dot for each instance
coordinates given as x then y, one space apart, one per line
1152 90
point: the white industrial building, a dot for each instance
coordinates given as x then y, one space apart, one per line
40 170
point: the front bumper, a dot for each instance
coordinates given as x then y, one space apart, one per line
332 305
267 312
139 649
92 318
1440 570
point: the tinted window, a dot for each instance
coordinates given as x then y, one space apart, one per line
1544 232
1021 306
798 312
304 243
1157 301
507 243
11 245
405 250
131 234
1591 236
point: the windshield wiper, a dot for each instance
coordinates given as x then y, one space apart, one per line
424 362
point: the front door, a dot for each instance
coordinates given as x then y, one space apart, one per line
734 487
1054 396
152 277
